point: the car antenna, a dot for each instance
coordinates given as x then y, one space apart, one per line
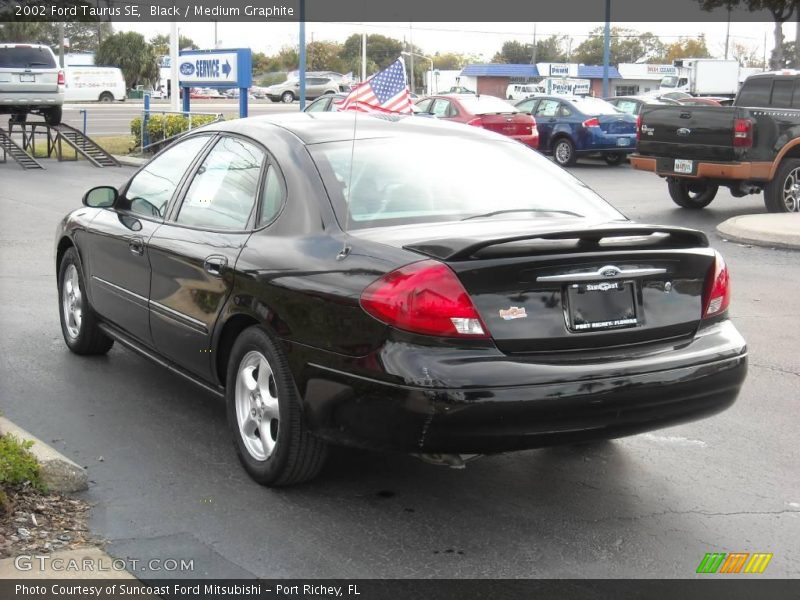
345 248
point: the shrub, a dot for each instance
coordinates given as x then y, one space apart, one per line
17 464
165 127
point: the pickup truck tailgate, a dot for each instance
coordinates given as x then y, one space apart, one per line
689 132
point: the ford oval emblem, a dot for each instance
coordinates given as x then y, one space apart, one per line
187 69
609 271
684 131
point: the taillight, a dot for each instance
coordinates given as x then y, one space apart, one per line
593 122
717 292
743 133
638 127
424 297
61 78
476 122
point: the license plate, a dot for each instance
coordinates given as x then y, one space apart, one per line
26 78
601 305
682 166
623 142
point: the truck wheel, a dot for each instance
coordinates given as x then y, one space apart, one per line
613 158
782 194
106 97
693 195
52 116
564 152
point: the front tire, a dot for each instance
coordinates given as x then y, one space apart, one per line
564 152
79 324
52 116
263 406
782 194
613 158
106 97
692 195
287 97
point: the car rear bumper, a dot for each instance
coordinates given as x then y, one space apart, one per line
528 140
619 398
606 142
706 170
28 99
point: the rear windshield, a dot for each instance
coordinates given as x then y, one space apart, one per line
594 106
481 105
26 57
429 178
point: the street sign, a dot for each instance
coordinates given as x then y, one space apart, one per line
228 68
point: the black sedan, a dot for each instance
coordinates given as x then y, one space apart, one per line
428 288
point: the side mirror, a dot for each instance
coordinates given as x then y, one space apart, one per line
103 196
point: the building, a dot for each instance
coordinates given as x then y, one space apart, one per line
494 79
640 78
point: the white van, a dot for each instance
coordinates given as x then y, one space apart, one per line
520 91
94 84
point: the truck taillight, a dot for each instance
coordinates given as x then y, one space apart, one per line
742 133
717 292
62 80
638 127
593 122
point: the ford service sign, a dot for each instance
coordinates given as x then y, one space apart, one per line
187 69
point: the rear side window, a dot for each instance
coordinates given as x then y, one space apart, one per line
272 196
755 92
26 57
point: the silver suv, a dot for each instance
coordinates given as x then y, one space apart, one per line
289 91
30 82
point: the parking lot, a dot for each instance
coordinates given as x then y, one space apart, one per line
165 480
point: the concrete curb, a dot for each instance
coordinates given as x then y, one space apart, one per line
776 230
130 161
59 473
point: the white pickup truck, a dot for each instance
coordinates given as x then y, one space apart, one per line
30 82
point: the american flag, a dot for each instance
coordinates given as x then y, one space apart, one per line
386 91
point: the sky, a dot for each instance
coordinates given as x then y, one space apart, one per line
483 39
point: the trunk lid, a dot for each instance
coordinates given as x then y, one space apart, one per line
508 123
575 286
618 124
689 132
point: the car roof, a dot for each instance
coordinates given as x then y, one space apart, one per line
321 127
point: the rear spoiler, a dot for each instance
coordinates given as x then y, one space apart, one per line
586 239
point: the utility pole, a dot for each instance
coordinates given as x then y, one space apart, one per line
606 48
363 55
728 33
411 50
61 35
533 55
174 87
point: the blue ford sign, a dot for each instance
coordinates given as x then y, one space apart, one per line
187 69
218 68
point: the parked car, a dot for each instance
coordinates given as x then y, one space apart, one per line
488 112
457 89
520 91
489 302
327 103
570 127
289 91
31 82
749 147
633 105
204 94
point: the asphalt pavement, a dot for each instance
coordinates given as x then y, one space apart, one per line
165 481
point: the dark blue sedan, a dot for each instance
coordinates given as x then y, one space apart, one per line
570 127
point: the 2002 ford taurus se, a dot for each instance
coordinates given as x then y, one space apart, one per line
429 288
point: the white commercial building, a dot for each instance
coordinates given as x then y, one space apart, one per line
640 78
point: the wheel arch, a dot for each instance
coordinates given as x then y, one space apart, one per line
64 244
230 330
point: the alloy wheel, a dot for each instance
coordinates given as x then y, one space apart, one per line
563 152
791 191
72 302
257 405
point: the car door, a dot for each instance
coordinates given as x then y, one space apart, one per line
443 109
545 116
116 259
193 254
527 106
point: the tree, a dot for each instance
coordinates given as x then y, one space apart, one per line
749 56
324 56
551 49
627 46
160 43
781 11
381 52
515 53
83 36
688 48
130 52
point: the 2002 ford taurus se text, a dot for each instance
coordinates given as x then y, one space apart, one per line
429 288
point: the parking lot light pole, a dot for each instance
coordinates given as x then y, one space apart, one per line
302 57
410 54
606 48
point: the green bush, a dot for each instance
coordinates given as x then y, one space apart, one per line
17 464
164 127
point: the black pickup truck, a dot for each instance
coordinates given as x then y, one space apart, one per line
749 147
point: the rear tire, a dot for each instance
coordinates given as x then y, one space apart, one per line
692 195
52 116
263 406
613 158
287 97
564 152
106 97
782 194
79 324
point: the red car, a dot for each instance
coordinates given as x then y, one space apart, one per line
488 112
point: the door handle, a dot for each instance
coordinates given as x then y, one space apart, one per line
136 246
214 265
